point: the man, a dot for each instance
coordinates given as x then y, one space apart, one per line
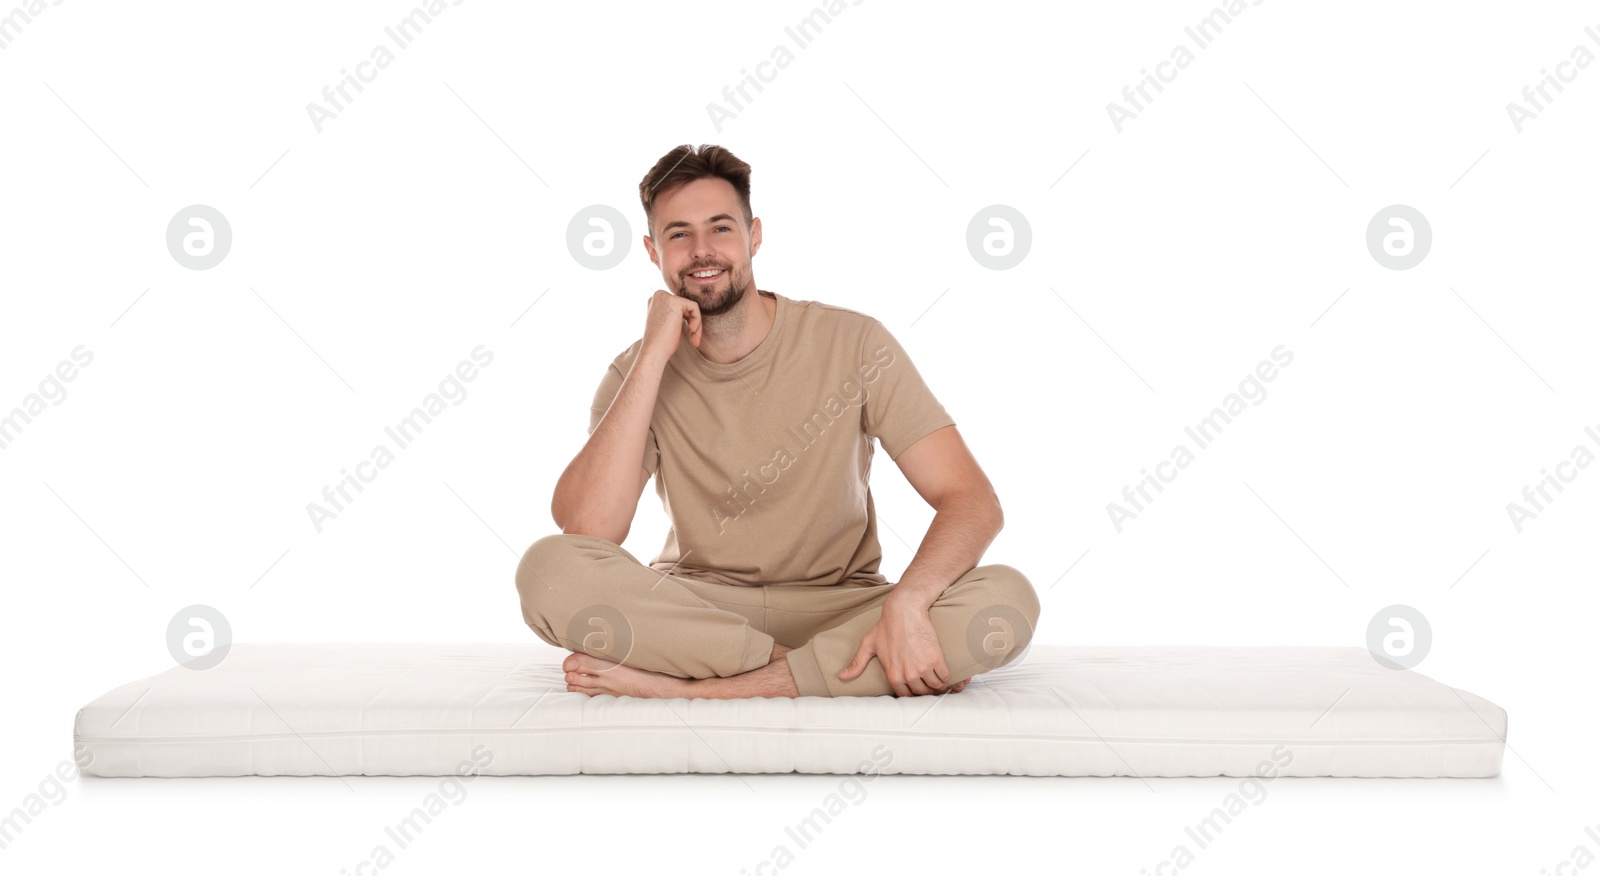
756 414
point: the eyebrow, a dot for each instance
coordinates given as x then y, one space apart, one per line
676 223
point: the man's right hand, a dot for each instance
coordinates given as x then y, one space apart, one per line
670 318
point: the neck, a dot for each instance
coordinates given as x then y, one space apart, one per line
729 337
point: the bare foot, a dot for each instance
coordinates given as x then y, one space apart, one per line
594 676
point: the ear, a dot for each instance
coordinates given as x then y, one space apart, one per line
755 235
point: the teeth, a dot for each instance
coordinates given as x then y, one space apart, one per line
710 273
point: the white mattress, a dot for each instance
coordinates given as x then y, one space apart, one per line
409 709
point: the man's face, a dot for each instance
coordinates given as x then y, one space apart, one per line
700 228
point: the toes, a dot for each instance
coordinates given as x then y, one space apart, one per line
586 664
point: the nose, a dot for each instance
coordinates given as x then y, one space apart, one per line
704 253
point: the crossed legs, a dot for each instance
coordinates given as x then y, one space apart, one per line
595 675
636 631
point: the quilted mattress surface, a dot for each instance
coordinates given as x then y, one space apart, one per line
488 709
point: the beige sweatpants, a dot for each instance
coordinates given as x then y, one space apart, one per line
586 593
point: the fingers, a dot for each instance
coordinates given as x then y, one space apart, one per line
694 324
903 683
936 679
859 662
933 680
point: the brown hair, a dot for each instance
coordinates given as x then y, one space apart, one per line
684 164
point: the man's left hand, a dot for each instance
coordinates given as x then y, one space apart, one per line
908 648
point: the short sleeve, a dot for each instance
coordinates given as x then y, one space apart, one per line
900 409
610 384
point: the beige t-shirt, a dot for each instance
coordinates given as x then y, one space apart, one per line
762 466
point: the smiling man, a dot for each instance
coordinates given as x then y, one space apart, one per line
756 415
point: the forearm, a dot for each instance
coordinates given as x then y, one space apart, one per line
598 492
962 529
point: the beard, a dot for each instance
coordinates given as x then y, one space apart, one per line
719 297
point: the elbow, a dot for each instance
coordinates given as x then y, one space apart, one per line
578 526
582 520
616 538
986 498
981 504
559 514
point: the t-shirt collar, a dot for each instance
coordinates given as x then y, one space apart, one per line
718 371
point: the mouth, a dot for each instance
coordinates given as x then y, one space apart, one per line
707 276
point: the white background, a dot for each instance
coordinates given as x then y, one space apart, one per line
426 219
